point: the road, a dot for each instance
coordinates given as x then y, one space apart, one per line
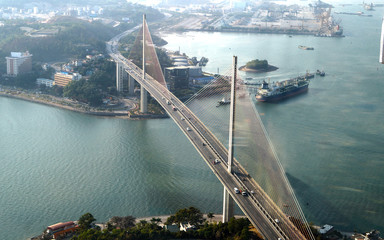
271 222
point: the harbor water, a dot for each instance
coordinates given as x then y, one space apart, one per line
58 165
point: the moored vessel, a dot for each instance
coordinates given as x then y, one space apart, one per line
280 90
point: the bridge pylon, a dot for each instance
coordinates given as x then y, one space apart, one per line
228 204
143 92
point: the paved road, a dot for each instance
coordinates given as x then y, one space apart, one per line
258 207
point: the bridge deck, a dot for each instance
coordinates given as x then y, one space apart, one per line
258 207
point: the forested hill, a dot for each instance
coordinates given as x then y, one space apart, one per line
74 38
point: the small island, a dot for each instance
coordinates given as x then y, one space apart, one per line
258 66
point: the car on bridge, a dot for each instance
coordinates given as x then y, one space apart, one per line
244 192
236 190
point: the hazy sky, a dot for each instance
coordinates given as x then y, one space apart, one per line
154 2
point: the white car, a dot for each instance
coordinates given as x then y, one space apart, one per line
236 190
217 161
188 129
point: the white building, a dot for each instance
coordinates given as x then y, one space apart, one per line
19 62
44 81
63 78
325 229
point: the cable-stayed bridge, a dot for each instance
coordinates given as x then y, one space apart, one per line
275 219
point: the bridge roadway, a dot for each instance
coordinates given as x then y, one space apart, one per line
257 206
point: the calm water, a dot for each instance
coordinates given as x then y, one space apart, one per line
329 140
57 165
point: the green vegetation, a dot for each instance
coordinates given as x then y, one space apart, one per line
75 38
134 12
190 215
72 38
85 221
99 85
239 229
257 64
83 91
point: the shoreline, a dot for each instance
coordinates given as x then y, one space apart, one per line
52 101
58 105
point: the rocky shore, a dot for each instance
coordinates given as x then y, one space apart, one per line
270 68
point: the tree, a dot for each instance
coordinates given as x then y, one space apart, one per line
191 215
210 216
83 91
257 64
85 221
123 222
155 220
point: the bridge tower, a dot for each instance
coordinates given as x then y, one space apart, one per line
228 200
143 92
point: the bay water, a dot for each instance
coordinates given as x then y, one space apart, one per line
57 165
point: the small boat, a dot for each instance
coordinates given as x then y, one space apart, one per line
306 48
223 102
320 73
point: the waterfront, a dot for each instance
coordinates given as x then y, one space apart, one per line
58 164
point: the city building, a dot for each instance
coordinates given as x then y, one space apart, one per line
372 235
59 230
19 62
63 78
44 81
325 229
177 77
195 71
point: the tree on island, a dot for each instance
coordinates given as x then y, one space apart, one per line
257 64
85 221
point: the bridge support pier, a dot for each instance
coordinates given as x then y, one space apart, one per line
143 100
228 204
131 85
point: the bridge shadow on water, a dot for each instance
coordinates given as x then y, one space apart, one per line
317 208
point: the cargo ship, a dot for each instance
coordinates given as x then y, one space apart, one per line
280 90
